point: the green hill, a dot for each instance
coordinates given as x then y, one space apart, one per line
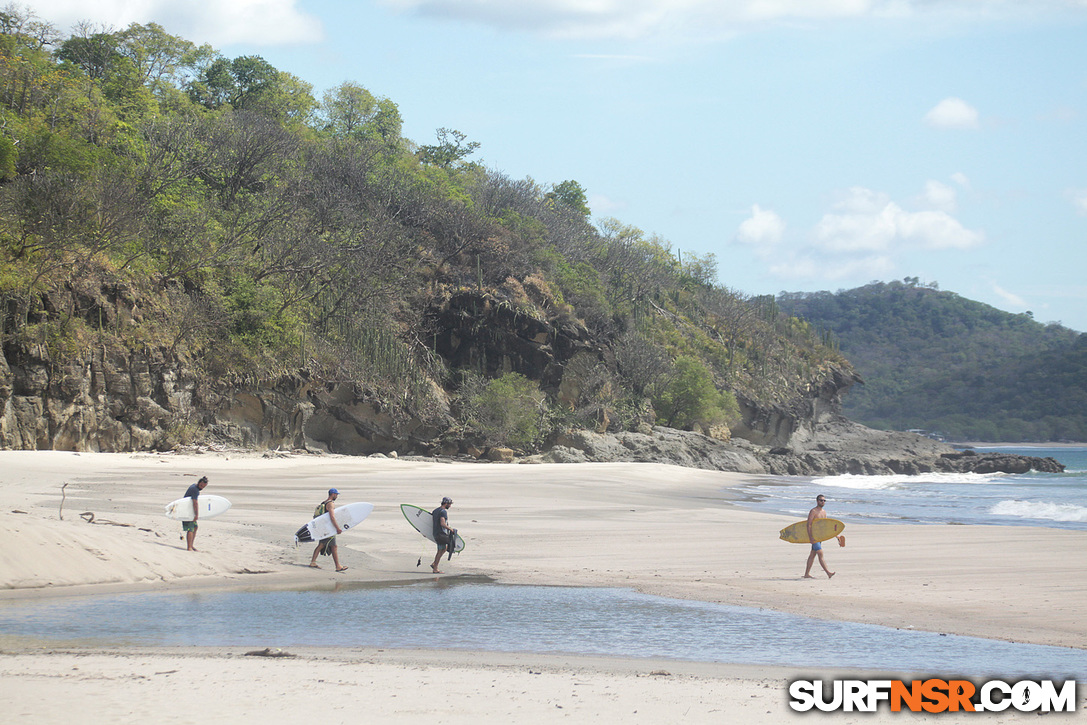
934 360
178 225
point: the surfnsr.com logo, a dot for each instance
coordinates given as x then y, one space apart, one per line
933 695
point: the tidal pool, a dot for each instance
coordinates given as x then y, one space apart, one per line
466 614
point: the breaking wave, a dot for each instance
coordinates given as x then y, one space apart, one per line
1041 510
889 481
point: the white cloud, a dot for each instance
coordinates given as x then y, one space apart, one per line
604 206
263 22
868 221
937 230
863 223
1079 200
762 229
1013 300
952 113
808 266
641 18
938 195
960 178
272 22
867 235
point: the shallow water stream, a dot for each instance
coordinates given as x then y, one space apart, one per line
469 614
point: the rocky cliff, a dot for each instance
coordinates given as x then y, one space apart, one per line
122 402
118 400
112 401
103 400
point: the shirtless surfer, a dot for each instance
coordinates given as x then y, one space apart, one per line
816 547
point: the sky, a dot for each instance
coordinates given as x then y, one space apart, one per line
807 144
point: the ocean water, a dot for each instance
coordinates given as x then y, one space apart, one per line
1054 500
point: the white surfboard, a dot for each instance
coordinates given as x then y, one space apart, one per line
423 522
348 515
210 505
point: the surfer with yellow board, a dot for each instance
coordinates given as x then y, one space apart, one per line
815 530
816 546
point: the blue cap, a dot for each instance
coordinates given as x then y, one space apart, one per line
332 491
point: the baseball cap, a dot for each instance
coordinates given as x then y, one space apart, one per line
332 491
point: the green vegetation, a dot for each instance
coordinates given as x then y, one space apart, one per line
689 397
933 360
509 410
157 195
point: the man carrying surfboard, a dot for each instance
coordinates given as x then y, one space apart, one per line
189 527
816 547
443 534
328 546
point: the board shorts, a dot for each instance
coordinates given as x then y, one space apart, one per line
327 545
817 546
442 540
188 526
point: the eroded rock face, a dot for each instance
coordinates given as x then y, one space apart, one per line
476 331
794 424
120 401
104 402
128 402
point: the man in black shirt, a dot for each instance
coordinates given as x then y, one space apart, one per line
443 535
189 527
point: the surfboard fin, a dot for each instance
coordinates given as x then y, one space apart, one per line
420 562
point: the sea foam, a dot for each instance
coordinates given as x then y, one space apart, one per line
1040 510
890 481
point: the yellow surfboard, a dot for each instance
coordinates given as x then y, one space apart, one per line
823 529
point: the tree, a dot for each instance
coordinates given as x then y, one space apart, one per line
635 268
642 364
351 110
571 196
161 60
689 397
8 155
94 52
450 149
252 77
509 411
22 24
245 150
250 83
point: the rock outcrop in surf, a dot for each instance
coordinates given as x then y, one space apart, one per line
837 447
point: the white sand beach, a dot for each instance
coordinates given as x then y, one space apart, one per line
657 529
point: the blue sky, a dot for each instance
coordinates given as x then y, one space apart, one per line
808 144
